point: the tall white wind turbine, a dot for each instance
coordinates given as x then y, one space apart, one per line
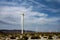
22 23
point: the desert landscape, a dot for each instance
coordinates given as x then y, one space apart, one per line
28 35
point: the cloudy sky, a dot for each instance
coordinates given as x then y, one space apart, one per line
39 15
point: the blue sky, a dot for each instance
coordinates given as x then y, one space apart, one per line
40 15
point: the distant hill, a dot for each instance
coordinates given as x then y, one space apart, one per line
25 31
14 31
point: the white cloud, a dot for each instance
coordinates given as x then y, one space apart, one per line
8 3
39 5
29 15
11 15
46 7
33 19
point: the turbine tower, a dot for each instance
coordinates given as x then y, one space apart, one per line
22 23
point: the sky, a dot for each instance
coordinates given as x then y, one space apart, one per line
39 15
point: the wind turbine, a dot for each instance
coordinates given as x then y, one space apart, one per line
22 23
22 20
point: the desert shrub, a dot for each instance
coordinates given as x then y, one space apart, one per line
50 37
35 37
25 37
12 37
